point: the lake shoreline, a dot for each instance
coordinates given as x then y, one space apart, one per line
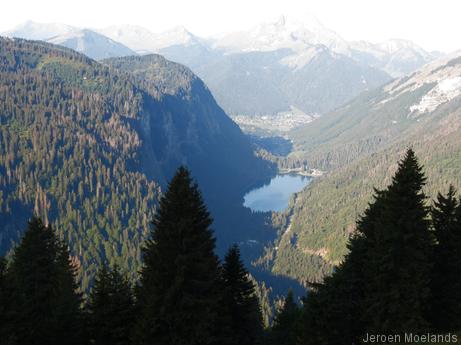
275 196
302 172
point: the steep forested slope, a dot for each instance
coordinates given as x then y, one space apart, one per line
89 147
392 113
188 127
358 145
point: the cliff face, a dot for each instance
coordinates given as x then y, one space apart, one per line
183 125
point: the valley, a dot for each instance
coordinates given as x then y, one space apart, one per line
271 125
357 145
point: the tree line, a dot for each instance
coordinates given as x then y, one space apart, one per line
402 275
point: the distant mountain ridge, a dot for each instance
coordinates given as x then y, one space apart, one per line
144 41
289 62
92 44
85 41
39 31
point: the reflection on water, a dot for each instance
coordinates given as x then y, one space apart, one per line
275 195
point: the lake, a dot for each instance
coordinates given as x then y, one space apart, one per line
275 196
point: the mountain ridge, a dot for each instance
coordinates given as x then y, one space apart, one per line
217 61
92 44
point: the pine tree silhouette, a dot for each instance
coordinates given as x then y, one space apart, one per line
241 299
179 297
46 307
333 311
111 308
399 264
5 301
285 327
445 310
383 284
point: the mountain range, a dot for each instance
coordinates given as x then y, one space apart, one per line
273 67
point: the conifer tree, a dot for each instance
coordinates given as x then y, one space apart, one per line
4 302
3 289
46 306
382 286
398 260
179 297
333 310
285 328
445 310
110 308
241 299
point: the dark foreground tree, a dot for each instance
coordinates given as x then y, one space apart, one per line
5 301
240 297
383 284
286 323
110 308
179 298
399 257
445 310
333 311
46 306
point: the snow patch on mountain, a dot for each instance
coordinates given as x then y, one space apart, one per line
300 33
297 33
92 44
39 31
445 76
444 91
144 41
397 57
133 36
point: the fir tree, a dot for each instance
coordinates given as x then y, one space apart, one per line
46 306
285 328
4 303
179 296
398 260
3 289
110 308
241 300
445 310
333 310
382 285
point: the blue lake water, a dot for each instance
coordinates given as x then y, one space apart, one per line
275 196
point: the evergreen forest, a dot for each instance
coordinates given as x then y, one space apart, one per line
401 277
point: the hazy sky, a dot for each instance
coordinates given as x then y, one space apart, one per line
433 24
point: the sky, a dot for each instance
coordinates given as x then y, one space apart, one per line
433 24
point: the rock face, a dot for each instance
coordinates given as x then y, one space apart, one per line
186 126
